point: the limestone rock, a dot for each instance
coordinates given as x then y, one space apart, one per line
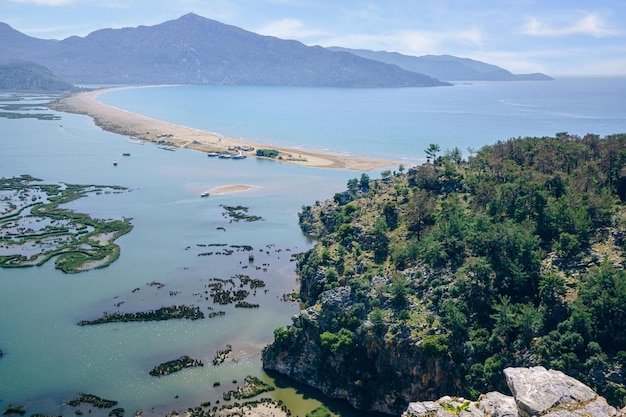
422 409
495 404
443 407
538 391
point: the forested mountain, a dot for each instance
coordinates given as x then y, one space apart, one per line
430 282
196 50
28 76
446 67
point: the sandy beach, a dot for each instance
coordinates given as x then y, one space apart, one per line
147 129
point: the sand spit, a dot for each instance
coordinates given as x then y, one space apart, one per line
143 128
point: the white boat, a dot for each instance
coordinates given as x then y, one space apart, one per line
204 194
212 154
240 156
225 156
115 162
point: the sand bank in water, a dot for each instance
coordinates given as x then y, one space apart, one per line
229 189
144 128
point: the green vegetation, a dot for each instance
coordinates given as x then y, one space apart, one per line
93 400
459 268
320 411
238 213
14 409
175 365
232 290
39 116
267 153
116 412
163 313
252 387
221 355
35 228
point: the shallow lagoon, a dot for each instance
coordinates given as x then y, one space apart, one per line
48 359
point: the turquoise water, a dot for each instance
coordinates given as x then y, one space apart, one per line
49 359
395 124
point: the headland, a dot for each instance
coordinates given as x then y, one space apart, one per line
144 128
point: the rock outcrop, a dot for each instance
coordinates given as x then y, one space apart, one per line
536 392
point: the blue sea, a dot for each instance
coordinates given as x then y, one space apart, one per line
396 124
48 359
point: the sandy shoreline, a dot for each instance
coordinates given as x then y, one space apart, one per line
144 128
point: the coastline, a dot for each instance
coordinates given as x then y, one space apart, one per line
144 128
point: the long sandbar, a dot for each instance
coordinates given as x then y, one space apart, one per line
123 122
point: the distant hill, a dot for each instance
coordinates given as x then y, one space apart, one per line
445 67
196 50
28 76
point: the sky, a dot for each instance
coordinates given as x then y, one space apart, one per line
555 37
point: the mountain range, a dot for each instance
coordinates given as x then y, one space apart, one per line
196 50
445 67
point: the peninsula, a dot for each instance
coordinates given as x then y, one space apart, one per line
144 128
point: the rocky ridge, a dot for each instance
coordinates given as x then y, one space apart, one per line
536 392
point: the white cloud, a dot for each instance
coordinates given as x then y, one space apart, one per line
288 29
411 42
52 3
590 24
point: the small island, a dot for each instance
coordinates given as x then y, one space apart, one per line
175 365
93 400
252 387
163 313
35 228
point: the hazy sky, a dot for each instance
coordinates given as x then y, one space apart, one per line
556 37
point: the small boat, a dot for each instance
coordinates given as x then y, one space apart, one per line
115 162
126 154
240 156
212 154
225 156
204 194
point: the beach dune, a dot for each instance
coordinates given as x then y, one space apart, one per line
134 125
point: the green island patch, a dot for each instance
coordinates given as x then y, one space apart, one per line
14 409
227 291
175 365
163 313
237 213
252 387
22 111
91 399
33 227
221 355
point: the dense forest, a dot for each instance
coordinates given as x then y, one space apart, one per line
429 282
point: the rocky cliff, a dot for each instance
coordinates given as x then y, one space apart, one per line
433 282
372 369
536 392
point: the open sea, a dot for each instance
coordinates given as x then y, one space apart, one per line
48 359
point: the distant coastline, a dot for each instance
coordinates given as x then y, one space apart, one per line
144 128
